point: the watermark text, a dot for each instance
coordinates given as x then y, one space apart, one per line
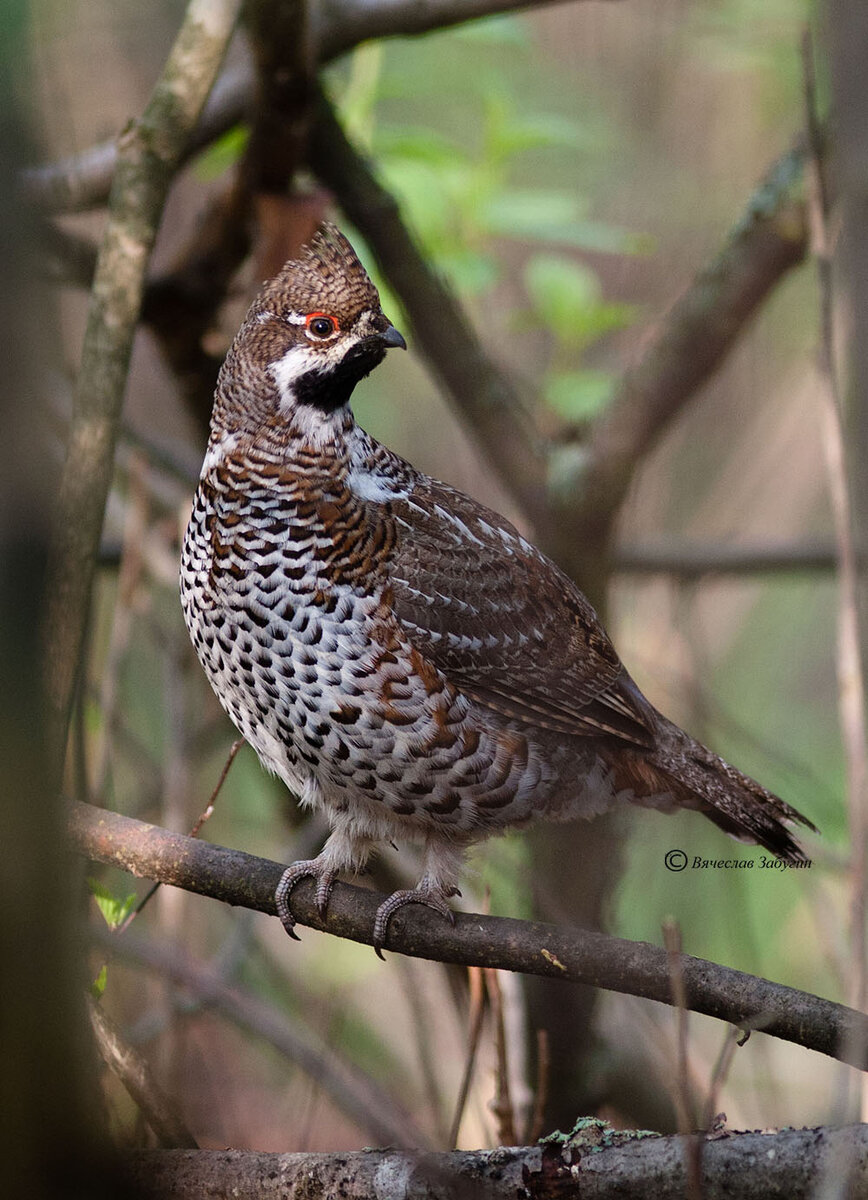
678 860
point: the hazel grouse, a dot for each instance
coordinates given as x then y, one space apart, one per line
397 653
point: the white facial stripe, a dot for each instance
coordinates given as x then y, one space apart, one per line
296 362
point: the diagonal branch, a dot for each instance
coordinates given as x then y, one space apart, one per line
149 151
345 23
636 968
693 340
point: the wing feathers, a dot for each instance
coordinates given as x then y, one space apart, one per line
504 624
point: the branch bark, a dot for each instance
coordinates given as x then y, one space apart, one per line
533 948
136 1076
607 1165
149 151
83 180
694 338
345 23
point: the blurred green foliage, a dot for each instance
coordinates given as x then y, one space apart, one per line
467 181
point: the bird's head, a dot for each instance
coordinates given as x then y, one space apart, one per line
312 333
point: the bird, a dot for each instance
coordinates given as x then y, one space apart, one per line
398 654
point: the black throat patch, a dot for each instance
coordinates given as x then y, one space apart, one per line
330 389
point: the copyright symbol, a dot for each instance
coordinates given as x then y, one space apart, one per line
676 860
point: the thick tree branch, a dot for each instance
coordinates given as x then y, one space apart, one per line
83 180
149 153
636 968
345 23
600 1165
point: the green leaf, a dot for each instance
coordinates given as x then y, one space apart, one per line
530 213
579 395
222 153
416 144
566 297
98 986
114 909
562 293
471 273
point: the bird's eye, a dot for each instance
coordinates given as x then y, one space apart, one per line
320 325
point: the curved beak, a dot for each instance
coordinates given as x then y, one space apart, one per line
392 339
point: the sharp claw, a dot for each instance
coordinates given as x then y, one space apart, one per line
291 876
388 908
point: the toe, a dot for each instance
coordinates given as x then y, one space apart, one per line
419 895
304 869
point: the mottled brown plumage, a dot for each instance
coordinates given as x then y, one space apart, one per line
397 653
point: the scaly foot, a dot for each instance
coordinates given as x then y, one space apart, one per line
306 868
423 893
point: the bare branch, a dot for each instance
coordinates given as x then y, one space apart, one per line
604 1165
83 181
149 153
842 494
689 561
530 947
694 339
135 1074
345 23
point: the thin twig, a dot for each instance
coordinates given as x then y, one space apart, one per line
476 991
419 1001
851 684
136 1076
690 561
204 816
129 580
543 1069
731 1042
531 947
684 1104
502 1103
150 150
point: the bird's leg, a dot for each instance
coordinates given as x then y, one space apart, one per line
342 852
436 887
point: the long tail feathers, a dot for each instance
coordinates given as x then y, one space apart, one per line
697 778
